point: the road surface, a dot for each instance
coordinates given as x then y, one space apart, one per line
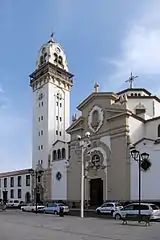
16 225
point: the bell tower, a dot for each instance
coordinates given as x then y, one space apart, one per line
51 83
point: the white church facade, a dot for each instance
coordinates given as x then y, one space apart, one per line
115 121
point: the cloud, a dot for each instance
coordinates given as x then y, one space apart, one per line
140 49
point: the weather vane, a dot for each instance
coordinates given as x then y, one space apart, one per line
131 80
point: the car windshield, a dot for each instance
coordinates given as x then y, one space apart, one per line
154 207
16 201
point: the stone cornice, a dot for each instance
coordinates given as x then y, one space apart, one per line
49 69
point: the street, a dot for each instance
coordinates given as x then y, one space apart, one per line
16 225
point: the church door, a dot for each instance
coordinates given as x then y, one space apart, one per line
96 192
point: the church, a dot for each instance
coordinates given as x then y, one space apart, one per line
115 121
109 122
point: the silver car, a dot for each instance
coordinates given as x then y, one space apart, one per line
146 209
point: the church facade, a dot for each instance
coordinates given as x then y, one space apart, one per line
116 121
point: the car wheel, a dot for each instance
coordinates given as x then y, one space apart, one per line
98 212
23 210
117 216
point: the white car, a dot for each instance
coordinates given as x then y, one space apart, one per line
146 209
108 208
12 203
32 208
55 208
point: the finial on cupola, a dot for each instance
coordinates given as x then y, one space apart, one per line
52 37
96 87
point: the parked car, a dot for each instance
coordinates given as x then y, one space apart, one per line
108 208
12 204
146 209
32 208
54 208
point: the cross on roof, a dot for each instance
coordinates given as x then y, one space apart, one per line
131 80
96 87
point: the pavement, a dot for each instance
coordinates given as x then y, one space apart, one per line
16 225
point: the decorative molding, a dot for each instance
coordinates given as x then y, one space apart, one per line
95 118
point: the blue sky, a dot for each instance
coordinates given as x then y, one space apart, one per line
104 40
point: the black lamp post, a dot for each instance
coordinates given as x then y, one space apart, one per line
143 164
37 172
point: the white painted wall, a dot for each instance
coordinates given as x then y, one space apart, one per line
136 129
152 129
24 188
38 126
50 124
156 105
150 189
59 188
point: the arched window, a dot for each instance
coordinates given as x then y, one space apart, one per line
159 131
54 155
55 57
60 60
63 153
41 60
59 154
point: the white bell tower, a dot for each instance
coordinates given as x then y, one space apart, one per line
51 83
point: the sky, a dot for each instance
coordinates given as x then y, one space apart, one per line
104 41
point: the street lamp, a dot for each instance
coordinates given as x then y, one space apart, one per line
84 144
143 164
38 172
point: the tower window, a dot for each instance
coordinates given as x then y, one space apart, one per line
54 156
56 117
42 103
59 154
41 60
55 57
41 146
60 133
41 132
57 103
159 131
56 132
39 104
60 119
38 147
60 60
60 104
63 153
41 117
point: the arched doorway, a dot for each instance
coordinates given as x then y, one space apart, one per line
28 197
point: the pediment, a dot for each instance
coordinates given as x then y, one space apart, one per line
76 125
99 95
57 142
